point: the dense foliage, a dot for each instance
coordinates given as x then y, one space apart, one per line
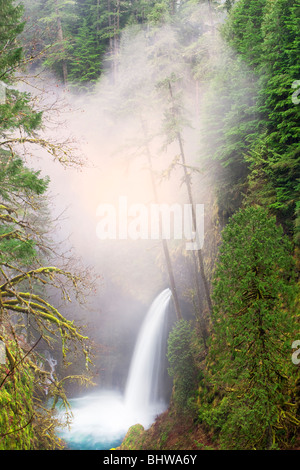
249 359
29 323
181 360
266 35
231 364
76 39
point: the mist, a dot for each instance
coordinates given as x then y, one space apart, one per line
107 129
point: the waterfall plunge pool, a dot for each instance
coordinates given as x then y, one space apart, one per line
101 419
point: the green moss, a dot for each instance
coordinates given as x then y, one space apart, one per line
133 439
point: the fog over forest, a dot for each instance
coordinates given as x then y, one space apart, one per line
106 130
149 225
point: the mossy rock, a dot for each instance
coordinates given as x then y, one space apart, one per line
133 439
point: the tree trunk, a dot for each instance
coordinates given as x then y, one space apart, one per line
60 36
98 23
211 17
110 28
116 37
187 180
164 242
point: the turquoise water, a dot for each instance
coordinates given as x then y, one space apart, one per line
101 420
88 443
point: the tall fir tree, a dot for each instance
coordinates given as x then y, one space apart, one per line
266 35
254 326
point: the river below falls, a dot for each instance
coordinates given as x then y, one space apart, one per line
101 420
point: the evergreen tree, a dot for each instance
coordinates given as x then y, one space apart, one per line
85 67
254 325
181 363
266 35
10 56
15 110
50 24
243 29
280 67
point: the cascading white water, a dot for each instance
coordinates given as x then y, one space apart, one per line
52 363
141 393
101 420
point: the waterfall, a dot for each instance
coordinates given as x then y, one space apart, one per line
142 387
52 363
101 419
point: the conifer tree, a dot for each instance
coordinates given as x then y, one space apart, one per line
11 55
266 35
280 69
85 67
254 326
